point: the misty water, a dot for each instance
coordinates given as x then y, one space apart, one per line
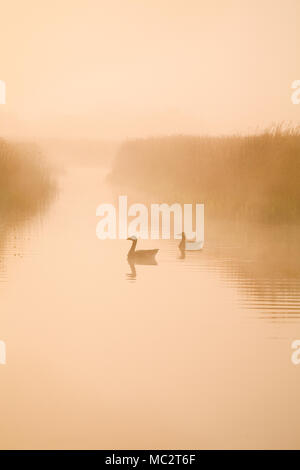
188 353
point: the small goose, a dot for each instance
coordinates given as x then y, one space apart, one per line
139 255
186 245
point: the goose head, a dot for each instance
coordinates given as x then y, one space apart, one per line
182 235
132 238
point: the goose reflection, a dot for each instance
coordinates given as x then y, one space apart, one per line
132 274
133 262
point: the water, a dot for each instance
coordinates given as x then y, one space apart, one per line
191 353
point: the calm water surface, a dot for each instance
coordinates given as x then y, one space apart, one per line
191 353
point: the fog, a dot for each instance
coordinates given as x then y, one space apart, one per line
130 68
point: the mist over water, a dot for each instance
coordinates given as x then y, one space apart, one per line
193 352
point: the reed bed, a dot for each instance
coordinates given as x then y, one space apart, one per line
254 176
26 184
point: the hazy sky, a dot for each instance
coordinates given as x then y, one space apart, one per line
117 68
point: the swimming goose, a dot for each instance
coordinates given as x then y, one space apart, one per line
186 245
139 254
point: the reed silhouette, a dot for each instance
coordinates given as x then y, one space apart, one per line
26 185
254 177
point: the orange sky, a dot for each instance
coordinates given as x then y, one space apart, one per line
117 68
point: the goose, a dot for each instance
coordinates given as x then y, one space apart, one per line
139 255
187 245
